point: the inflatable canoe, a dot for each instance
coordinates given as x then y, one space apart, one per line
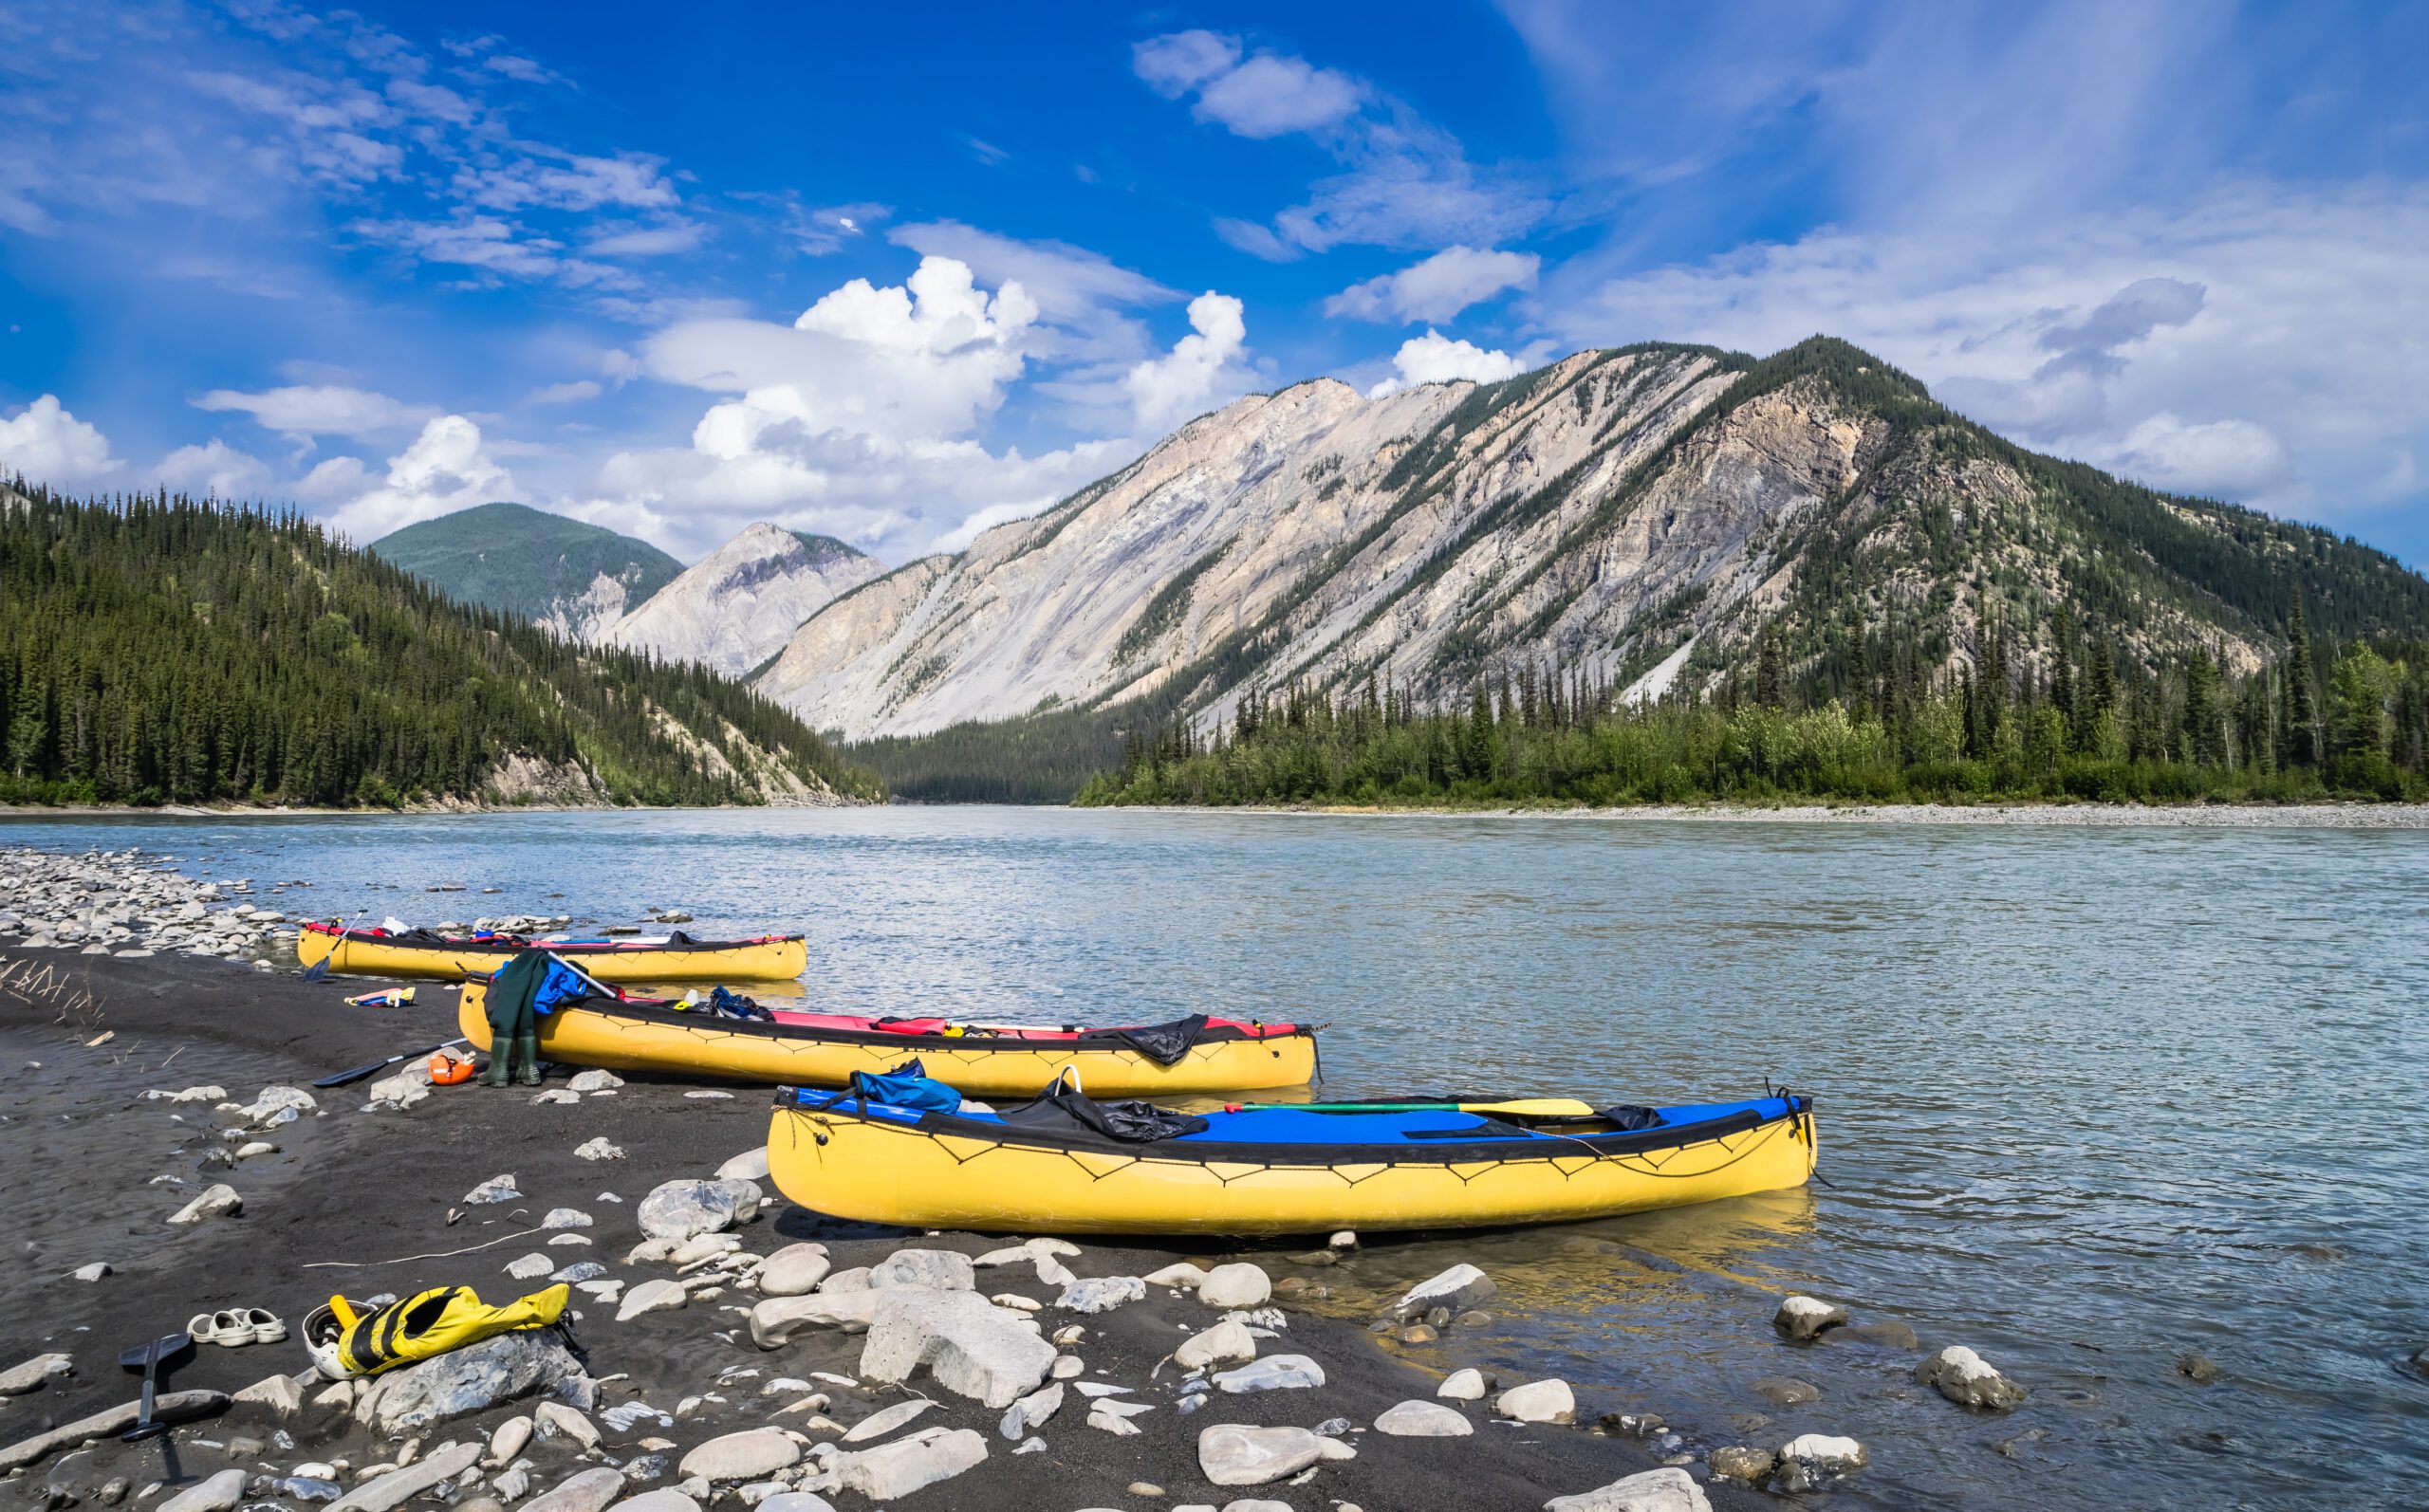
675 957
825 1049
1066 1165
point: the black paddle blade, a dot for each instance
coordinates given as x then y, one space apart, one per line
159 1351
318 971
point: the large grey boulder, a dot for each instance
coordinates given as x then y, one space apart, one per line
775 1322
1459 1289
753 1454
969 1344
471 1379
1668 1489
1242 1454
905 1465
1969 1380
677 1210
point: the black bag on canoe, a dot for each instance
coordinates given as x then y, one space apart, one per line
1164 1044
1061 1110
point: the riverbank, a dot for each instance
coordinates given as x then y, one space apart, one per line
2089 815
156 1081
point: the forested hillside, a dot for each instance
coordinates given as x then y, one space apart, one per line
573 578
162 648
2097 724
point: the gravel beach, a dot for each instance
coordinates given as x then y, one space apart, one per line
138 1084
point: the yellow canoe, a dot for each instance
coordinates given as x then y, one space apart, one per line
1279 1170
806 1049
676 958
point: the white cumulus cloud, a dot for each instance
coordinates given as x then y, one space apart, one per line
446 468
1437 358
48 444
1436 288
860 418
1203 371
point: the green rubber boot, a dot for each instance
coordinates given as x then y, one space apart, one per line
526 1060
494 1075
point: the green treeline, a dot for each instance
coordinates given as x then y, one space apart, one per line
165 650
2083 720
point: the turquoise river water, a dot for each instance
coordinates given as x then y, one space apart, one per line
2089 1098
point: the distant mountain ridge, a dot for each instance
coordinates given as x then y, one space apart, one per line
1647 515
561 574
738 605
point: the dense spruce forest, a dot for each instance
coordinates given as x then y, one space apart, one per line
2090 724
160 649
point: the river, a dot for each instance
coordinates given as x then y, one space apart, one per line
2089 1098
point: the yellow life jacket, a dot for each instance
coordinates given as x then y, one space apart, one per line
435 1321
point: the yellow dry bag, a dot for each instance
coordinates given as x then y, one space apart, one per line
428 1323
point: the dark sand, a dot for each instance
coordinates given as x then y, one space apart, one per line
82 1146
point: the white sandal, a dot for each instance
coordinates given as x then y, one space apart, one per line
264 1324
219 1328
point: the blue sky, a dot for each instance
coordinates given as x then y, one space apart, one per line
897 276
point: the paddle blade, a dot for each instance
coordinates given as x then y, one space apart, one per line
318 971
146 1356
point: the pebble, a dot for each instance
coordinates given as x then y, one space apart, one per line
878 1424
218 1494
1238 1285
1804 1317
1969 1380
566 1218
1669 1490
1102 1294
37 1372
1430 1420
495 1189
654 1296
599 1149
1239 1454
1454 1290
750 1455
94 1271
1547 1401
2197 1367
1463 1386
1275 1373
530 1267
1785 1391
1815 1459
1227 1342
215 1202
1750 1467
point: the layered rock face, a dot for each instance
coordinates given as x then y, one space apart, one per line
740 605
1635 515
1347 534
